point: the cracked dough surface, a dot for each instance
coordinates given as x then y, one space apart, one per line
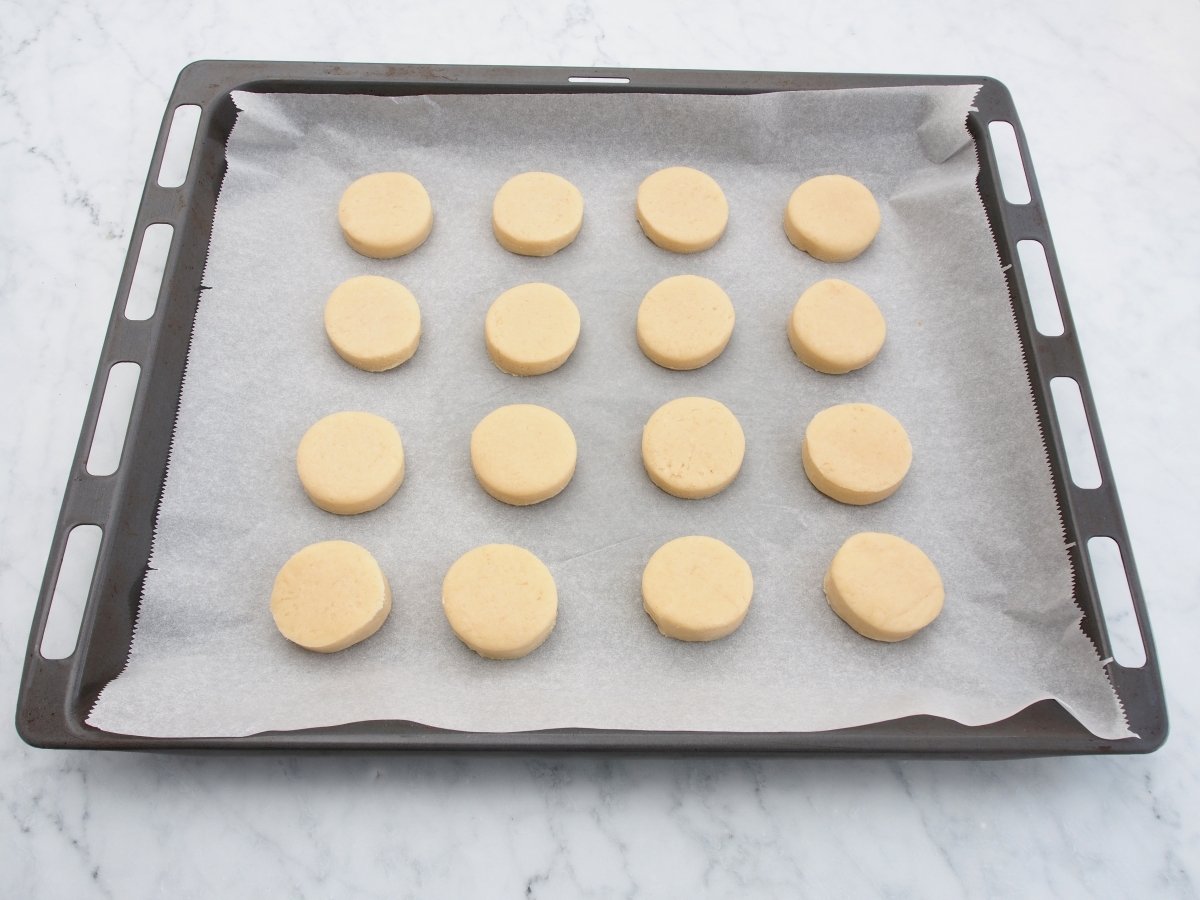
373 323
832 217
693 447
329 596
856 453
500 600
884 587
350 462
697 589
684 322
836 328
682 209
531 329
537 214
385 215
523 454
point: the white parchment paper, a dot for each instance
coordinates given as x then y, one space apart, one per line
206 659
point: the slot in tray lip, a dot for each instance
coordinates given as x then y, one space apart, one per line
56 695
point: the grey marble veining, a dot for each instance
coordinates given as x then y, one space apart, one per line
1110 99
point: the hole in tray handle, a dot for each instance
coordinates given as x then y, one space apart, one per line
148 276
112 424
1076 435
598 79
173 170
71 591
1112 585
1047 316
1008 161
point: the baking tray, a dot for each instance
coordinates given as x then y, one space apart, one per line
57 694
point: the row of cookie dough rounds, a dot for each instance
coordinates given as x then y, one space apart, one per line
522 454
389 214
502 602
684 322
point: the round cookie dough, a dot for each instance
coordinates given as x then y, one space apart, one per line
350 462
684 322
697 589
537 214
329 596
385 215
832 217
373 323
883 587
856 453
523 454
500 600
836 328
531 329
682 209
693 447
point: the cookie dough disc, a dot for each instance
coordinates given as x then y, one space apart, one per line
684 322
329 596
385 215
836 328
693 447
523 454
500 600
350 462
832 217
856 453
531 329
697 589
682 209
883 587
373 323
537 214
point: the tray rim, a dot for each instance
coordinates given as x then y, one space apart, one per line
56 695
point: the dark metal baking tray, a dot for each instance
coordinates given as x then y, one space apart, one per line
56 695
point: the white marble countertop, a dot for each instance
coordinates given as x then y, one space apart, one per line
1109 95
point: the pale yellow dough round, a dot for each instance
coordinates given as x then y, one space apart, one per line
856 453
523 454
373 323
832 217
697 589
836 328
883 587
500 600
684 322
351 462
537 214
385 215
531 329
329 596
682 209
693 447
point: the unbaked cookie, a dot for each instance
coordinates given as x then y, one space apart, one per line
385 215
531 329
523 454
373 323
537 214
856 453
883 587
835 327
350 462
697 589
693 447
500 600
684 322
329 596
832 217
682 209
